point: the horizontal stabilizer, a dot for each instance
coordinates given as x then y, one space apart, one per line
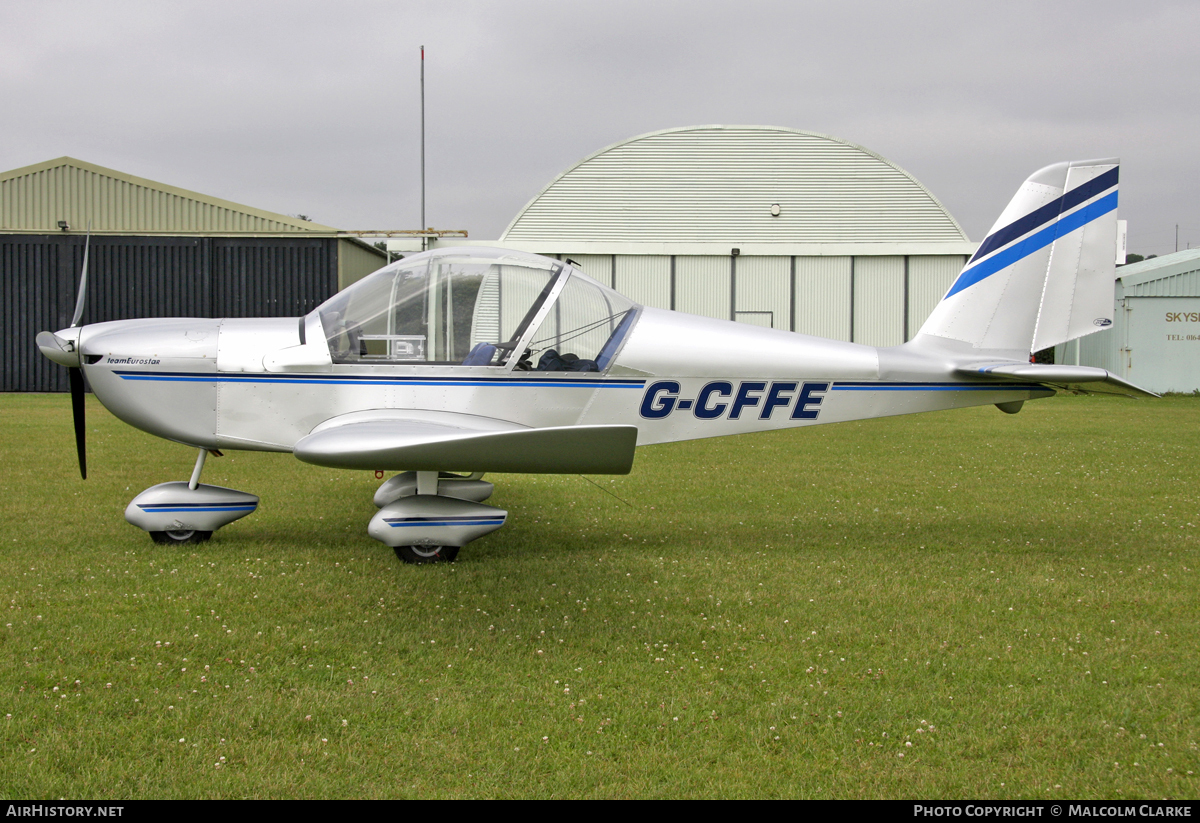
1072 378
422 445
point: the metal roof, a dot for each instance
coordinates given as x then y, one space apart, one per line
719 183
34 198
1171 275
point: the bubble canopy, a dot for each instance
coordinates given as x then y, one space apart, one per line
478 307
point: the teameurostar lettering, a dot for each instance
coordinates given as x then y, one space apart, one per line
1183 317
132 361
719 399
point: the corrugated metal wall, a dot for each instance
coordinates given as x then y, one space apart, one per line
878 300
645 278
148 277
355 262
822 303
139 279
38 296
1155 339
929 278
702 286
763 288
271 277
1186 284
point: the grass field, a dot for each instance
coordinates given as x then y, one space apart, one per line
963 604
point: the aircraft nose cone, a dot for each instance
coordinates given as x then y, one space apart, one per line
61 347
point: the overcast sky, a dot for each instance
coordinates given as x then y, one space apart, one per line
313 107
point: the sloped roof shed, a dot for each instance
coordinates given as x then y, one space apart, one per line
156 251
1155 337
34 198
1172 275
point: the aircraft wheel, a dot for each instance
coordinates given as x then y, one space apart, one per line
427 554
180 536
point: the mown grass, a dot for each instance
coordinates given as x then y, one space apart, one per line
963 604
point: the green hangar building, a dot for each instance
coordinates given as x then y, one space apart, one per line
156 251
1154 340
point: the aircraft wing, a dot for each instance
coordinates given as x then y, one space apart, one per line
453 442
1072 378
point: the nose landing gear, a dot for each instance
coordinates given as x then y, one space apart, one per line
180 513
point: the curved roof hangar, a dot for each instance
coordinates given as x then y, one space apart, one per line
722 183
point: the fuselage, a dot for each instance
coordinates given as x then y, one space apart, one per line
263 384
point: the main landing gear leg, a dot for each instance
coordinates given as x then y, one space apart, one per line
178 513
428 516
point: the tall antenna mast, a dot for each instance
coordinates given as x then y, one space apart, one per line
423 239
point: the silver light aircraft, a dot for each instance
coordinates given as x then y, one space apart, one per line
456 362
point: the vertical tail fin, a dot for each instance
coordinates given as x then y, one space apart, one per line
1045 273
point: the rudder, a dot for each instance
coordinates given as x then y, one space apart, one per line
1045 273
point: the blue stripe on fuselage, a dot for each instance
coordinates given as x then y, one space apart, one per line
375 380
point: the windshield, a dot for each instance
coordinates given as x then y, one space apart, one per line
477 307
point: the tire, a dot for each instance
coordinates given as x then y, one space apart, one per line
427 554
180 537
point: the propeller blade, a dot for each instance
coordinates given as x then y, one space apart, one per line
79 301
77 411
